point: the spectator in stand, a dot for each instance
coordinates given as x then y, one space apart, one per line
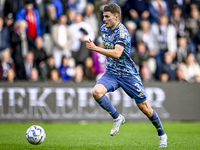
182 4
164 76
80 6
197 42
46 68
131 27
140 55
197 55
191 69
143 33
197 79
158 8
180 75
89 70
65 70
163 38
137 10
91 18
9 22
168 66
50 18
2 3
99 60
59 7
5 64
34 75
13 6
65 6
193 23
121 3
62 40
11 76
194 3
98 9
54 76
146 74
79 74
20 46
183 49
4 36
178 20
71 16
39 52
77 5
71 4
31 15
28 65
40 55
80 32
41 7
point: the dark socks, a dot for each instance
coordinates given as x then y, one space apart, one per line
106 104
157 123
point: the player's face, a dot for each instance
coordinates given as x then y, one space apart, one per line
111 20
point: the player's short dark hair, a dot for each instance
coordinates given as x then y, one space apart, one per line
113 8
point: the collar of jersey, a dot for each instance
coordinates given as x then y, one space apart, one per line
115 27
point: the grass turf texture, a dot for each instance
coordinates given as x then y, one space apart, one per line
95 136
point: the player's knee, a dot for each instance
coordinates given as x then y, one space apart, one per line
97 93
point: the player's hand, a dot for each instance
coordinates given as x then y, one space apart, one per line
90 45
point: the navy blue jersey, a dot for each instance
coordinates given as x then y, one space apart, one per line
124 66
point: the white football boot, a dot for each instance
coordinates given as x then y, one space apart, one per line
117 123
163 140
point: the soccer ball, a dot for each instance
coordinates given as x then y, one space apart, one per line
35 134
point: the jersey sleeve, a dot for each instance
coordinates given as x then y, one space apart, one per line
122 37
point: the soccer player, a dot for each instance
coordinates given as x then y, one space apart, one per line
120 71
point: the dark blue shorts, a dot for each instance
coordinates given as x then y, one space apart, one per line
130 84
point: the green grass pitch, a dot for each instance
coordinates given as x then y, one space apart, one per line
95 136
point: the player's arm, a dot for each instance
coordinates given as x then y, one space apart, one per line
114 53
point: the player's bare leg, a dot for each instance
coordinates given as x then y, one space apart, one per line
99 92
154 118
146 108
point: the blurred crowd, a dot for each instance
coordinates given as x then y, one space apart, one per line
44 40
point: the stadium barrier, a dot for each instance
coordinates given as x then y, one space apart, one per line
49 102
